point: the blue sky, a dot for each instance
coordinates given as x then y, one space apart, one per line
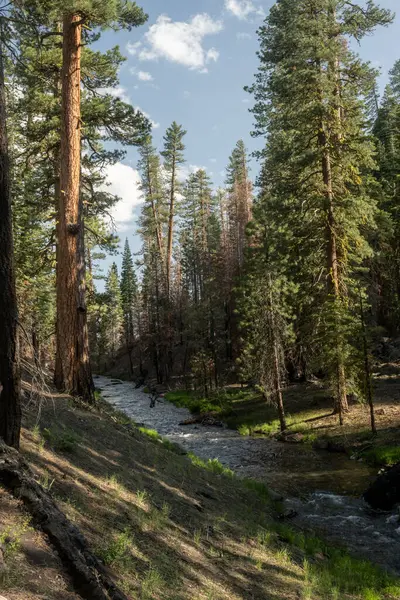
189 63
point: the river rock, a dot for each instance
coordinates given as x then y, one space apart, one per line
384 492
329 445
295 438
291 437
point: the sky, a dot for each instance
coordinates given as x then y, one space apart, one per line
189 63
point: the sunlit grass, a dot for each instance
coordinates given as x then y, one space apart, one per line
212 465
384 455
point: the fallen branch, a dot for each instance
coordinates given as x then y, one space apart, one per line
89 575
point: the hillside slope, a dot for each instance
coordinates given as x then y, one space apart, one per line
171 530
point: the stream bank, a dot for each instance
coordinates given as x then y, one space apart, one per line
322 488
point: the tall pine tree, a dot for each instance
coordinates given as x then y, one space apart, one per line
308 105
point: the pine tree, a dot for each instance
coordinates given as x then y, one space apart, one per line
10 410
173 158
240 200
154 213
264 305
73 365
114 316
153 224
129 298
200 237
307 94
386 267
235 216
35 119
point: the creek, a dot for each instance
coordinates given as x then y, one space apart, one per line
322 489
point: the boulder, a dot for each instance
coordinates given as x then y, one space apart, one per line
329 445
289 436
384 492
294 438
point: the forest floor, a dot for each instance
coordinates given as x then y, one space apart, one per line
166 525
309 415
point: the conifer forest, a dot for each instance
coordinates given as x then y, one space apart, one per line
204 404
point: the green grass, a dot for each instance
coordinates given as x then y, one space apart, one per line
221 402
64 441
117 552
156 437
142 515
258 487
11 537
151 433
151 584
332 572
212 465
382 456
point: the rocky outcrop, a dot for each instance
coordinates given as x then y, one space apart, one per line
384 493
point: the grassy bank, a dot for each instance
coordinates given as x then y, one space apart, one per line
174 527
309 413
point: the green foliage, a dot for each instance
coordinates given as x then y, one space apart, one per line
34 124
334 569
117 551
220 402
114 14
151 433
129 296
382 455
11 537
317 209
64 441
151 584
212 465
155 436
258 487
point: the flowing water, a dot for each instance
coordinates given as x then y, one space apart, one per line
323 489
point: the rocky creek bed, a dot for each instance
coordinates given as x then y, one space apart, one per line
321 488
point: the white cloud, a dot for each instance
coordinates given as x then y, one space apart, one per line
118 92
124 182
133 48
145 76
142 75
243 8
212 54
186 94
180 42
242 35
213 160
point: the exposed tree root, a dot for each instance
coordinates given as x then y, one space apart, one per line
89 575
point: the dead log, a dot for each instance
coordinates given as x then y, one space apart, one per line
89 576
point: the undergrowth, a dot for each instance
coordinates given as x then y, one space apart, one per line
382 455
330 572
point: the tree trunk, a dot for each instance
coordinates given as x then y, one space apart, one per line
10 408
74 371
277 363
58 370
155 214
340 405
170 227
367 369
